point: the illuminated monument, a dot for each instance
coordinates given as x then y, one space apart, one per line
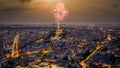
60 12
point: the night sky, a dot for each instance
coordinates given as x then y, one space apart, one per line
39 11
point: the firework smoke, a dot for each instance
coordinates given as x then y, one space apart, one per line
60 12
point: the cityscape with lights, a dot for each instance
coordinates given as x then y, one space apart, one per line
70 46
60 45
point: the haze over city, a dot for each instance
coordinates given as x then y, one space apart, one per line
39 11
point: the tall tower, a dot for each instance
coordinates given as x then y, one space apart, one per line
58 27
15 50
58 31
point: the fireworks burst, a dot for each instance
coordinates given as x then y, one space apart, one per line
60 12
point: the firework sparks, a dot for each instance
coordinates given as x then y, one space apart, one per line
60 12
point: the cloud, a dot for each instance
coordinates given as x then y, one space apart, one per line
40 10
113 3
13 4
116 3
25 1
